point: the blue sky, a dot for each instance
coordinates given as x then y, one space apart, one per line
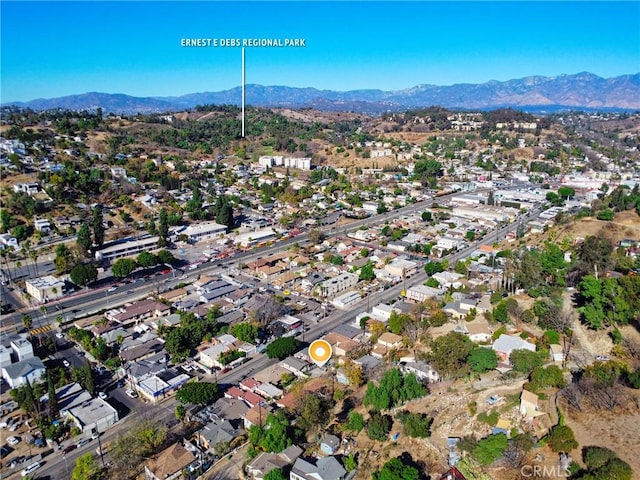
51 49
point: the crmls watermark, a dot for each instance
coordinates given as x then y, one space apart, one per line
544 471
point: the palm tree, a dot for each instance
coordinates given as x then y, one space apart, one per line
34 257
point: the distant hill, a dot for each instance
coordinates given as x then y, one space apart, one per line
582 91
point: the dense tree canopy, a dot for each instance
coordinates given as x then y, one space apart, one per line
202 393
282 347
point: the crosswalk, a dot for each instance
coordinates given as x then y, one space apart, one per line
38 331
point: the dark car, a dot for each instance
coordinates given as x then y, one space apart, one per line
69 448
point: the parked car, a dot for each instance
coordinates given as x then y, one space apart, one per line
15 426
102 395
59 335
131 394
30 469
69 448
82 442
13 440
66 363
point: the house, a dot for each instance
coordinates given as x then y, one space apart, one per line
340 344
295 366
217 431
402 268
529 407
326 468
420 293
329 444
557 352
22 348
422 370
170 463
448 279
453 474
209 357
139 311
256 415
506 344
17 374
390 340
265 462
478 331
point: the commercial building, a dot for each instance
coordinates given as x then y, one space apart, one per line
94 415
347 300
335 285
45 288
203 231
127 249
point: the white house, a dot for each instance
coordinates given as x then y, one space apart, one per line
17 374
506 344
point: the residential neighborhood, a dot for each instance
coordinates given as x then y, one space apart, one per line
158 304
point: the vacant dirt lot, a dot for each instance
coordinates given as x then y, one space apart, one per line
618 430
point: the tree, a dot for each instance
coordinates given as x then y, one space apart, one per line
379 426
355 422
163 228
202 393
491 448
245 331
98 226
166 257
275 474
64 258
482 359
281 348
315 236
566 192
433 267
561 439
27 321
524 361
146 259
366 272
416 425
51 393
604 464
395 469
86 468
83 274
180 411
449 354
123 267
426 216
274 436
83 240
311 411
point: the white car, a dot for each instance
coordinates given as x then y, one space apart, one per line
13 440
111 289
131 394
31 468
102 395
59 335
66 363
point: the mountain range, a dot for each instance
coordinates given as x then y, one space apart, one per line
582 91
